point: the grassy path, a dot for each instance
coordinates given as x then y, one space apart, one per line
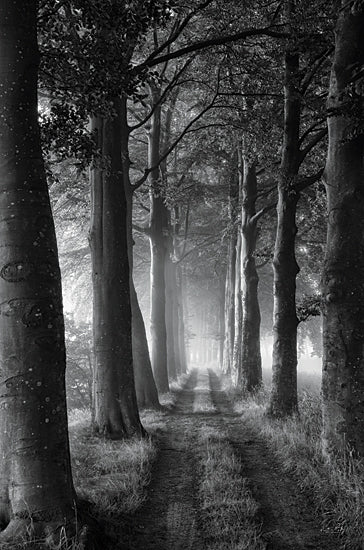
191 505
168 520
288 520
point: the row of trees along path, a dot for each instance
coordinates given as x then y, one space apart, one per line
36 488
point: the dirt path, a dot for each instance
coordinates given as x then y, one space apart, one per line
169 520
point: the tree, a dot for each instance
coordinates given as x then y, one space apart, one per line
36 489
158 250
250 369
283 400
342 280
230 270
115 408
99 89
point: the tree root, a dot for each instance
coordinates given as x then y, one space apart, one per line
52 535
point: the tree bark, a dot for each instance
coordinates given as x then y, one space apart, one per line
237 313
230 271
221 321
146 390
178 318
343 276
36 491
283 400
181 321
171 310
115 406
176 313
250 371
145 387
157 236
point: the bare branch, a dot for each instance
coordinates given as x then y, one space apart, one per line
254 219
174 82
315 65
311 144
147 171
305 181
175 33
312 127
203 44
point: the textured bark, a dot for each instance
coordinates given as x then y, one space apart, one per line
115 407
238 312
145 387
36 491
181 322
230 271
146 390
171 310
178 317
176 312
343 277
250 370
157 236
221 321
284 383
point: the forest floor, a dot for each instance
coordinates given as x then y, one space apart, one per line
176 514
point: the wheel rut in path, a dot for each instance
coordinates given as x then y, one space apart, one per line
168 520
289 521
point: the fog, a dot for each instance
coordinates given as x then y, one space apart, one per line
205 352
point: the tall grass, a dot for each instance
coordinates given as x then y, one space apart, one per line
228 510
112 476
336 486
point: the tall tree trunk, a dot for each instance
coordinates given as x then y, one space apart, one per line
157 236
115 405
181 322
146 390
230 302
230 272
284 383
36 490
250 371
171 307
237 312
145 387
343 276
176 312
178 318
221 322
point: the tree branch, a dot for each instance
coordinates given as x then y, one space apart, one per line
174 35
315 65
168 89
203 44
311 144
261 213
305 181
147 171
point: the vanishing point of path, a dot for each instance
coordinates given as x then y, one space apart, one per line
170 519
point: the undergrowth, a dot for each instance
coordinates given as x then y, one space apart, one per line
110 476
228 510
336 487
113 475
